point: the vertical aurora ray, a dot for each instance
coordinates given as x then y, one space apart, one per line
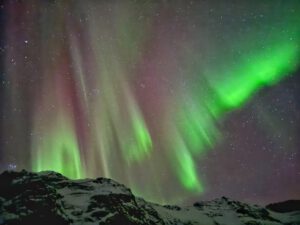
118 103
54 128
136 91
66 157
184 165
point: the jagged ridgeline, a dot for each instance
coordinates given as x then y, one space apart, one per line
50 198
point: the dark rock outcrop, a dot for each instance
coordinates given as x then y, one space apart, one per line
286 206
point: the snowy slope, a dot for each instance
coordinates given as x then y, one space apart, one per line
50 198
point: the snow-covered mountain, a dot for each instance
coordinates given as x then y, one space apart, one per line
50 198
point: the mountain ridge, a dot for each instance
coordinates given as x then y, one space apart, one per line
50 198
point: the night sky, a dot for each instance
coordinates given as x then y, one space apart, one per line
178 100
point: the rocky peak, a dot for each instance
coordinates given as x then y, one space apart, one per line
50 198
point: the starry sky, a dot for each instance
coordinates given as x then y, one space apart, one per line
179 100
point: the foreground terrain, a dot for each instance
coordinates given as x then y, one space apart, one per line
50 198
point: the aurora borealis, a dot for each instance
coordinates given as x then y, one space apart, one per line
154 94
